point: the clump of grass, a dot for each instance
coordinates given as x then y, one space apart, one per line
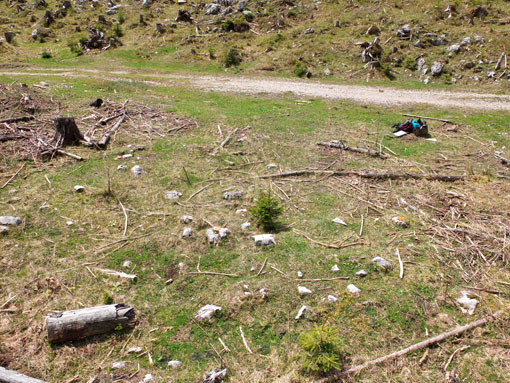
228 25
232 58
385 69
75 47
322 350
300 69
266 211
121 19
117 31
409 63
46 55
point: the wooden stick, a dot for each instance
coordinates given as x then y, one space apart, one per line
378 176
125 219
8 376
75 156
106 139
17 119
328 245
427 118
361 228
229 137
340 145
322 279
214 273
457 351
119 274
426 343
199 191
262 267
9 300
244 340
400 264
13 176
224 345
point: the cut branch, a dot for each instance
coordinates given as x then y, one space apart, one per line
377 176
106 139
329 245
339 145
426 343
427 118
8 376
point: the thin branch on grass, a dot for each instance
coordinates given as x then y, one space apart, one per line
125 220
213 273
457 351
342 146
401 275
229 137
224 345
329 245
13 176
244 340
262 267
427 118
323 279
199 191
426 343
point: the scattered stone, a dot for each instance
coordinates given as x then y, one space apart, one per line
353 289
299 274
301 312
420 63
241 6
335 268
10 220
4 229
264 240
187 232
383 263
147 378
327 72
263 292
126 264
271 166
332 299
304 291
207 312
69 223
479 39
126 156
212 9
361 273
146 3
427 80
234 195
399 221
455 48
308 31
436 68
133 350
339 221
172 195
469 65
245 226
121 167
216 234
404 32
137 170
215 376
465 41
175 364
467 304
241 211
119 365
79 189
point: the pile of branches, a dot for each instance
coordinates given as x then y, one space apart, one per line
32 126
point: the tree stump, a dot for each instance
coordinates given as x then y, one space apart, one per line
160 28
66 132
78 324
8 36
8 376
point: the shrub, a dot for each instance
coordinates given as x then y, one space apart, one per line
121 17
228 25
322 350
300 69
117 31
266 211
46 55
75 47
409 63
232 58
387 71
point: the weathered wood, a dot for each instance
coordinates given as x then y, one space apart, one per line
426 343
8 376
17 119
106 139
380 176
78 324
427 118
66 132
340 145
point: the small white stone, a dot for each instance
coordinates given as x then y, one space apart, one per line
121 167
361 273
467 304
263 292
353 289
299 274
118 365
245 226
233 195
125 156
335 268
126 264
264 240
241 211
301 312
339 221
252 269
207 312
10 220
4 229
133 350
175 364
69 223
147 378
304 291
271 166
186 219
79 189
173 195
137 170
383 263
332 299
187 232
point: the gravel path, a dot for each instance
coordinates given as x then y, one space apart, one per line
375 95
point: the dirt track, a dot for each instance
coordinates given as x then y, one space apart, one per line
377 95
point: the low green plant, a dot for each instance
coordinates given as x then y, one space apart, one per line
117 31
409 63
228 25
300 69
121 19
322 350
75 47
386 70
266 211
232 57
46 55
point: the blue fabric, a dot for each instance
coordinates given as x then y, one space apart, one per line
416 125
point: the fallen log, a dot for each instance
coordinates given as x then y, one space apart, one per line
78 324
17 119
106 139
379 176
8 376
426 343
340 145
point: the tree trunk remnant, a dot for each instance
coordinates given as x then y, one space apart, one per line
67 132
78 324
8 376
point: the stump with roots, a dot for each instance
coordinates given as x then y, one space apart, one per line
66 132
